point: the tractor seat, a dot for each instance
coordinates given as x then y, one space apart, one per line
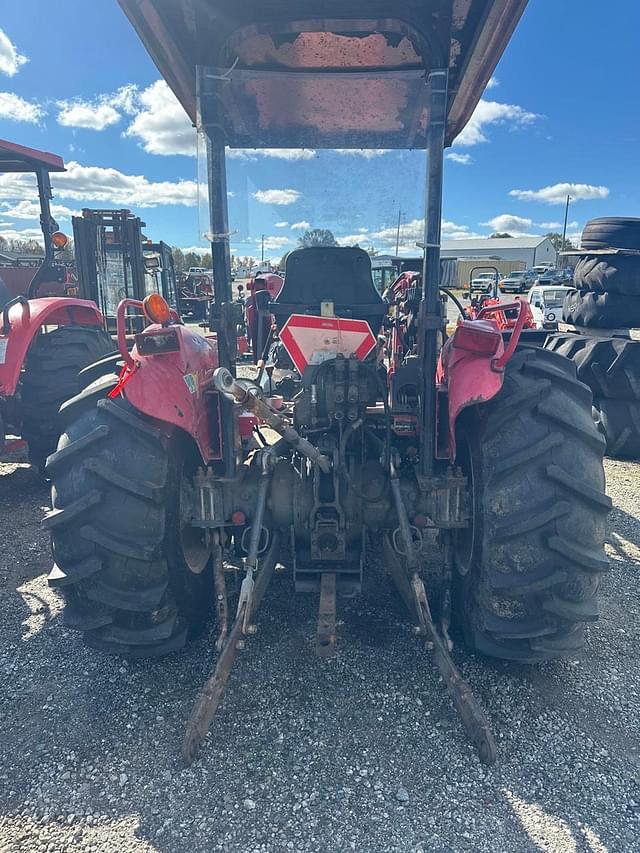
337 274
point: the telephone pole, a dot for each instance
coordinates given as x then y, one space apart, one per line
262 256
398 232
564 230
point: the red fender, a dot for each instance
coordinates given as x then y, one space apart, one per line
171 387
25 323
472 364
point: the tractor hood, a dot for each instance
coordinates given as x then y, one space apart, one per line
327 73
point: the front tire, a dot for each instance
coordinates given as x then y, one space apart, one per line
50 377
528 567
120 559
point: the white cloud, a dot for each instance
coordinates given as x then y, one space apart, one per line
105 186
463 159
278 153
29 209
15 108
86 115
367 153
196 250
490 113
517 225
104 111
557 193
279 197
552 226
125 99
303 225
493 82
161 124
411 233
272 243
10 59
283 224
21 234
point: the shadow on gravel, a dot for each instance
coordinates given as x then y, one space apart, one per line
362 752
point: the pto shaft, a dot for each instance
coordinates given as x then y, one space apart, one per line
231 388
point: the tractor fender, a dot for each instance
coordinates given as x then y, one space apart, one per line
25 321
172 387
469 377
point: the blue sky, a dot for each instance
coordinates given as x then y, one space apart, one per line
75 80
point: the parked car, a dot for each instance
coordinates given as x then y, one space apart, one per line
549 278
518 281
546 305
483 282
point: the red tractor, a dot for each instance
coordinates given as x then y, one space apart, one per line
262 290
44 340
472 459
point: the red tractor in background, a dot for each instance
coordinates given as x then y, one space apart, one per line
44 340
475 459
262 290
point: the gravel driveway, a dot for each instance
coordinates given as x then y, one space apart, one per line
361 753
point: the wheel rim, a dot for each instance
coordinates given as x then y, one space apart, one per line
193 540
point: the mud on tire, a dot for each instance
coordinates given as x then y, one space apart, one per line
528 568
115 528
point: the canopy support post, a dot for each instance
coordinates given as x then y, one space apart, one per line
222 312
430 311
48 226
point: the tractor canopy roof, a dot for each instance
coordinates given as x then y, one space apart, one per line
326 73
18 158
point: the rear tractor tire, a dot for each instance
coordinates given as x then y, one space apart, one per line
135 577
527 570
619 423
50 377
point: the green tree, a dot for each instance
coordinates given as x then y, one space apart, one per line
192 259
317 237
25 247
501 236
178 259
556 239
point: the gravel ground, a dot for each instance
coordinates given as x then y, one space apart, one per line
361 753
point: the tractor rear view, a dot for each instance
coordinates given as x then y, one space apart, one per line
467 458
44 340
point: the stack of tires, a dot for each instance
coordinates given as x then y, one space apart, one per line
607 296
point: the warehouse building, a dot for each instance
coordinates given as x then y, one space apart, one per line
528 250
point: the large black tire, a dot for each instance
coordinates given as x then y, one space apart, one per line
527 570
608 274
120 557
612 232
601 310
619 423
609 366
50 377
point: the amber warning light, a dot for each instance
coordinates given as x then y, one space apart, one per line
156 308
